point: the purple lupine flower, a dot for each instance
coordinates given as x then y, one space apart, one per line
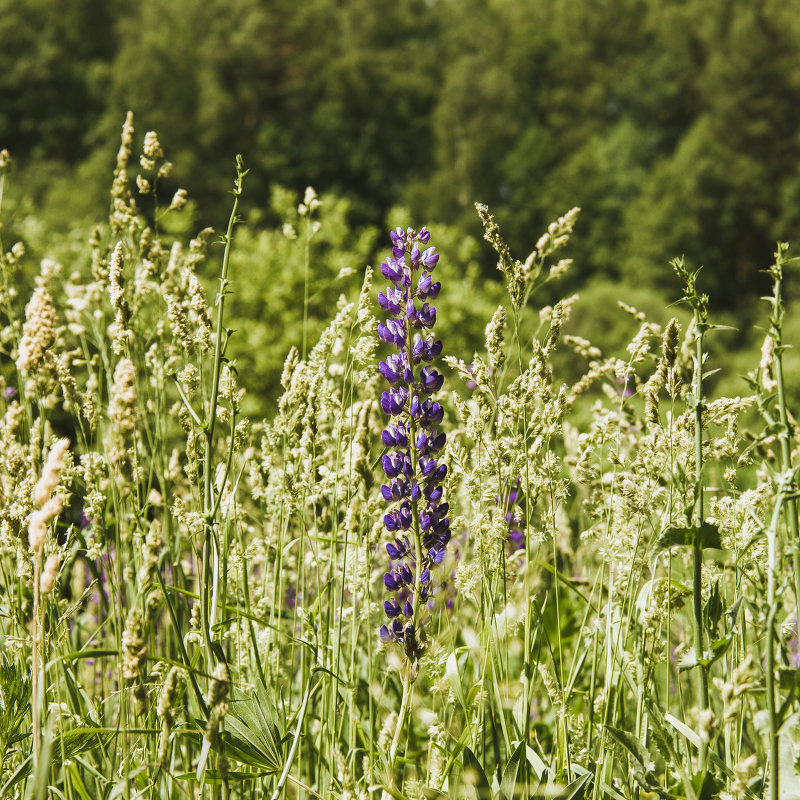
515 521
417 518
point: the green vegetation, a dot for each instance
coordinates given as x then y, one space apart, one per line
240 559
672 125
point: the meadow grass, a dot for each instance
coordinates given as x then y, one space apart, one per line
192 599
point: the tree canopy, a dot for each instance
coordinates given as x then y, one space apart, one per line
674 125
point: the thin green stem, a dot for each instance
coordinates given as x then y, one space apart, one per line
701 674
210 504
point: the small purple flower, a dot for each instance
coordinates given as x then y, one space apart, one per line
417 518
627 385
509 501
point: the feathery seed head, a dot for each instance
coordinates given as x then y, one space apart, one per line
38 331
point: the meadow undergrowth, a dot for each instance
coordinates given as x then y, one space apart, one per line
591 586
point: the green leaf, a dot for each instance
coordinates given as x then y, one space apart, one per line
705 535
80 740
77 782
451 670
707 785
789 678
509 780
254 731
576 790
535 760
636 749
214 777
475 784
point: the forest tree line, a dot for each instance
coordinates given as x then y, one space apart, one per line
674 125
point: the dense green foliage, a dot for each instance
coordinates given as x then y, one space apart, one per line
675 126
193 547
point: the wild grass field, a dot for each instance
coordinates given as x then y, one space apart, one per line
537 570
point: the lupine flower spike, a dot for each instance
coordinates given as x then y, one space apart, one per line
417 519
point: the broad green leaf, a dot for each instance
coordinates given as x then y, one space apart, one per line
535 760
475 784
705 535
637 750
77 783
254 733
576 790
509 780
451 670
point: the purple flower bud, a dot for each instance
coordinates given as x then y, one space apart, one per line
436 443
390 581
392 609
397 549
392 270
386 637
393 332
391 522
432 413
405 518
427 466
427 316
392 463
387 372
431 380
395 436
389 301
393 401
433 493
395 491
429 258
424 235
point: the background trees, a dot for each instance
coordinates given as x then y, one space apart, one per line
673 124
